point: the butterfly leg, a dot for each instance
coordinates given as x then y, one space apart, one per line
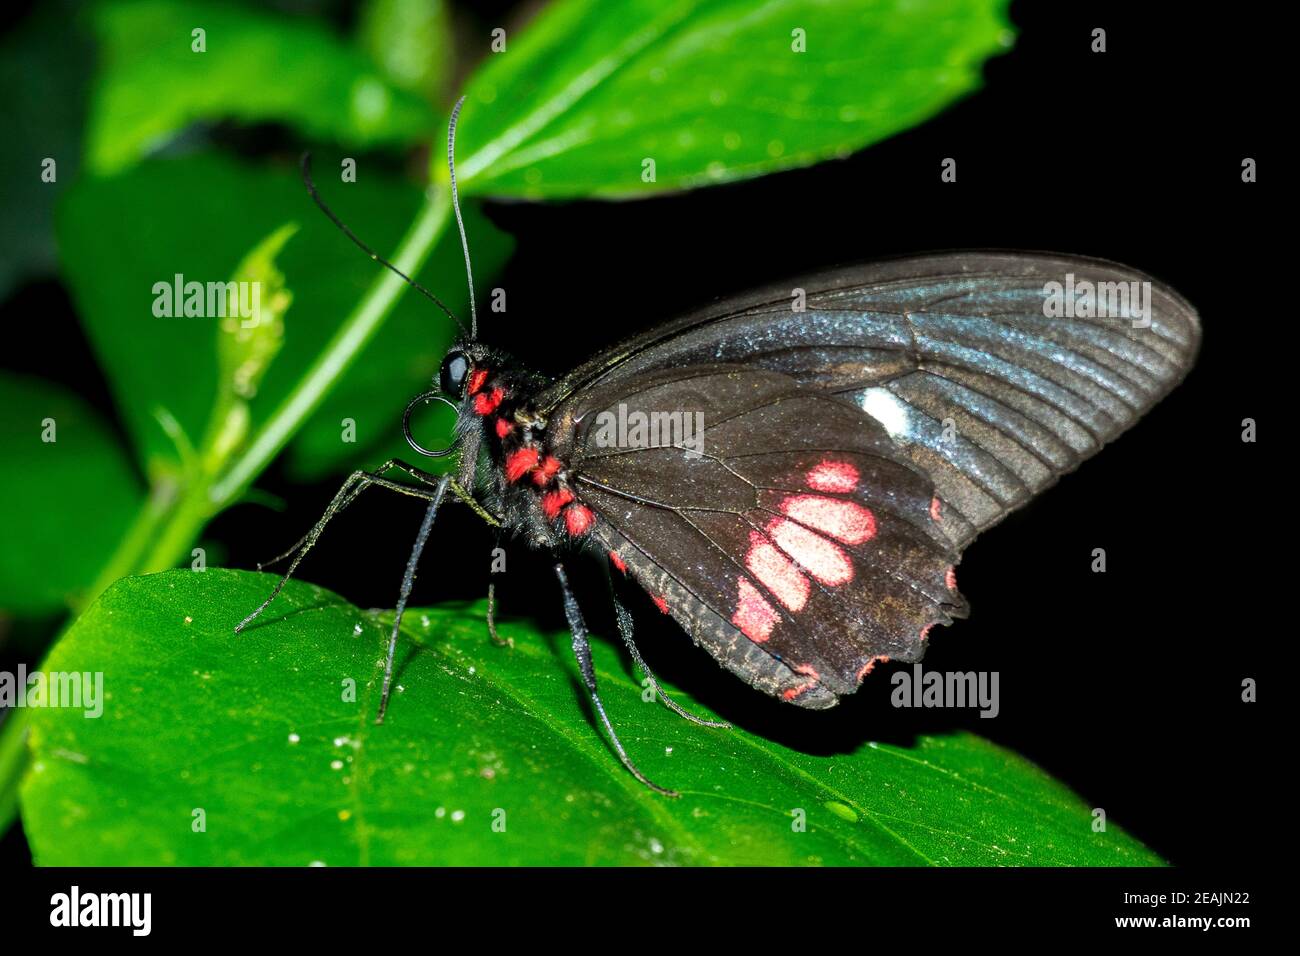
625 625
357 482
342 500
497 639
582 651
408 581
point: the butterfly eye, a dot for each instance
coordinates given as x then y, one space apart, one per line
452 375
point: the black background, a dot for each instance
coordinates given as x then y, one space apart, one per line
1124 685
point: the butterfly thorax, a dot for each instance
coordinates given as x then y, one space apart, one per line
525 484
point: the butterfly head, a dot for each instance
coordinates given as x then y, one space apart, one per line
466 368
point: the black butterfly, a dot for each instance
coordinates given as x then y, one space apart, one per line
858 429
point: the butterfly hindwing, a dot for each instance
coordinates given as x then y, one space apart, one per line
792 540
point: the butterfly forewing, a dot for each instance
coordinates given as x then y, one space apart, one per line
954 355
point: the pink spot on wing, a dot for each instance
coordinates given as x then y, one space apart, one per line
777 573
848 521
807 670
950 579
925 631
936 509
754 616
870 665
790 693
823 559
839 476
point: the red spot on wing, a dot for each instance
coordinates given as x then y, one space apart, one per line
618 562
848 521
660 602
577 519
837 476
546 470
807 670
520 462
476 379
936 509
754 616
504 428
870 665
553 501
777 573
485 403
824 559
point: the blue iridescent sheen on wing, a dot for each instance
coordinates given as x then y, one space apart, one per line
958 340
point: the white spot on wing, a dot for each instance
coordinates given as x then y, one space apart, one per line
886 407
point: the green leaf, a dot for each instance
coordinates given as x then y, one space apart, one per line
64 503
255 731
411 42
254 67
246 346
710 90
44 71
197 217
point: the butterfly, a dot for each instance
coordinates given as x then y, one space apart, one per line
792 475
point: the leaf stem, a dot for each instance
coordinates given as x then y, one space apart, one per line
13 762
357 330
156 510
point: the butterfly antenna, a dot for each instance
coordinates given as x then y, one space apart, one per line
311 189
460 222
